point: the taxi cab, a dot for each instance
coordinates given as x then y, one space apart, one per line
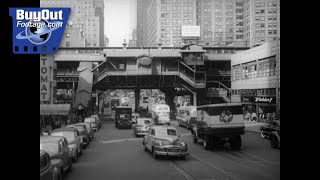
164 140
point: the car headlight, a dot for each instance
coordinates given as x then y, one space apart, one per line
183 144
160 143
70 149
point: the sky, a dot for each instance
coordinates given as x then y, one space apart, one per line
120 20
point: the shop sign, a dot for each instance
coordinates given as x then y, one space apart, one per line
246 99
248 92
44 79
269 100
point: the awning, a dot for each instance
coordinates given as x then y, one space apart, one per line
55 109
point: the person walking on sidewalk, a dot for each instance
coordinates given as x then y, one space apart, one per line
254 116
248 117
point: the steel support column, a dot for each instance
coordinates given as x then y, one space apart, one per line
137 98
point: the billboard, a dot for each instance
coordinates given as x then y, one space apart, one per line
190 31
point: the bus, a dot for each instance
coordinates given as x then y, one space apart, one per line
186 115
161 113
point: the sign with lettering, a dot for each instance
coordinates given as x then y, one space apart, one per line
269 100
248 92
44 79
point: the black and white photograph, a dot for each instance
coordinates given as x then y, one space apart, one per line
162 90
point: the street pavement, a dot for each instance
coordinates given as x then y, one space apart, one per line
118 154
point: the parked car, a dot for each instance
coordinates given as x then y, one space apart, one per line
265 131
142 126
89 129
49 170
275 138
85 138
73 138
163 140
57 148
98 120
93 122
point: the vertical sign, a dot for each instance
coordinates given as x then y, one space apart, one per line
44 79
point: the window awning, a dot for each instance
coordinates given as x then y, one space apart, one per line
55 109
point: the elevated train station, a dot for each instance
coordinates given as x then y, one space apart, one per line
203 72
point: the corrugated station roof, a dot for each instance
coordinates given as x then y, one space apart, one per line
55 109
138 52
217 57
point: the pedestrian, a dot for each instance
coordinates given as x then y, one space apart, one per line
254 116
248 116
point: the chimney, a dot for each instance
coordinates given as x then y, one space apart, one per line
124 44
159 44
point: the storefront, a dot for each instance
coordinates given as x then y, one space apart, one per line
50 113
263 106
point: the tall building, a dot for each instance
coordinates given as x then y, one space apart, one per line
86 15
133 40
222 22
261 21
99 12
165 18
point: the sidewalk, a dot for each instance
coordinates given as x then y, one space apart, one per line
254 126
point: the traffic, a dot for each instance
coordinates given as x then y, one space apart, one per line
210 125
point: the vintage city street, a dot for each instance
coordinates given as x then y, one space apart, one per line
118 154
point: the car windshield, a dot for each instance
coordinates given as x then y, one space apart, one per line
49 147
124 116
90 120
69 135
143 122
166 132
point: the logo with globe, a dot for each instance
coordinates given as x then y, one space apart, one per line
39 35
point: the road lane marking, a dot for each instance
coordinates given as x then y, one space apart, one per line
182 171
228 174
259 158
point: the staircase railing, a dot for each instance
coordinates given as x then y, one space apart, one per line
191 76
222 86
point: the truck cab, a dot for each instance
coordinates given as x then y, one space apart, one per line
123 117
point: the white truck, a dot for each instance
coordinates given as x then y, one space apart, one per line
219 123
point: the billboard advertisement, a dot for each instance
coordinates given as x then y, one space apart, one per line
190 31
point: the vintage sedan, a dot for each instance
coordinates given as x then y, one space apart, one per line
49 169
98 120
142 126
265 131
93 121
74 140
57 148
85 138
163 140
89 129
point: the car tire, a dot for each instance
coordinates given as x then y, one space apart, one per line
75 158
195 140
60 176
206 142
262 134
155 156
70 167
145 149
236 142
274 141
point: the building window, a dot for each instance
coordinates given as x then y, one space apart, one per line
67 44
